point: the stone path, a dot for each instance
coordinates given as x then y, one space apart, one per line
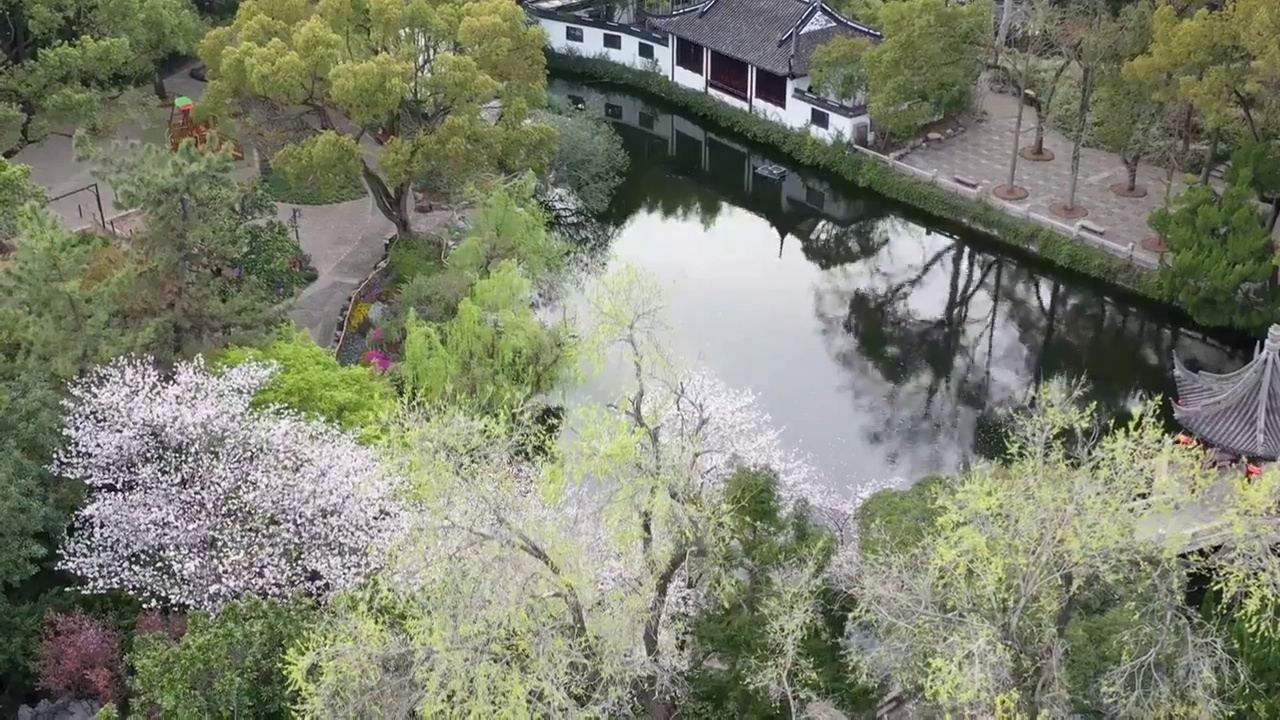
983 151
345 240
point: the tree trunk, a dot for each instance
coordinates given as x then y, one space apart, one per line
1039 145
1132 166
1187 114
1209 156
158 85
393 203
1017 125
1003 35
1275 215
1082 116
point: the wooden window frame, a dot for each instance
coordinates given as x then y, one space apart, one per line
780 99
685 54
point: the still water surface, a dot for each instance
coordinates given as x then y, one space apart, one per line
884 347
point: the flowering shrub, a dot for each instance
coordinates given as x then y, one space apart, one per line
81 656
359 314
195 498
377 359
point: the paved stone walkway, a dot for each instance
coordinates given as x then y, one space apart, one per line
982 154
345 240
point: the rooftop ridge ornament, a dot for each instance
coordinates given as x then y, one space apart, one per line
1238 411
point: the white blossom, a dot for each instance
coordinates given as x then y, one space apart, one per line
725 429
195 498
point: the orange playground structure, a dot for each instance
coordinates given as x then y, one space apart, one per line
183 126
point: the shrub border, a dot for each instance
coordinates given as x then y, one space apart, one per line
839 162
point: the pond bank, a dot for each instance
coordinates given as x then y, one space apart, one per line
1015 231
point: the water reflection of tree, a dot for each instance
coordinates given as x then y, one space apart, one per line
944 378
830 245
914 372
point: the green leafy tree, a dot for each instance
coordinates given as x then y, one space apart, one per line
51 79
1222 258
198 223
565 584
589 162
736 643
64 300
228 666
312 382
1097 41
1056 582
839 68
899 519
454 81
65 60
155 29
1184 63
509 225
16 191
917 73
1131 121
1257 165
34 505
495 352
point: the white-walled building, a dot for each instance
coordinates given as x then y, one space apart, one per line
751 54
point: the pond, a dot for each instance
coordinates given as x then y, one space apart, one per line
885 346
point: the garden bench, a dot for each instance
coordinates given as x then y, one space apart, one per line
1090 227
966 182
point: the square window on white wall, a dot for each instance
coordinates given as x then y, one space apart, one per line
646 51
573 34
613 41
818 118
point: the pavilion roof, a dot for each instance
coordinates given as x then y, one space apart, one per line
1237 411
775 35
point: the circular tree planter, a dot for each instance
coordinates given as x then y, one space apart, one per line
1012 193
1067 213
1029 153
1155 244
1122 189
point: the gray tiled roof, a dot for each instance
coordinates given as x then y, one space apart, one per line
759 31
1237 411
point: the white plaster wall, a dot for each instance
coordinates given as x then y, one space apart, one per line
690 79
592 45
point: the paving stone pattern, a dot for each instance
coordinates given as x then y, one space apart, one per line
982 154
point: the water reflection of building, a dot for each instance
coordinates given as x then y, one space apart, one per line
796 204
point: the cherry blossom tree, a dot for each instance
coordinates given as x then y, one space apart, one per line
196 499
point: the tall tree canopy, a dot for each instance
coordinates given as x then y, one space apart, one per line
455 82
201 225
63 60
1222 256
1057 583
918 73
